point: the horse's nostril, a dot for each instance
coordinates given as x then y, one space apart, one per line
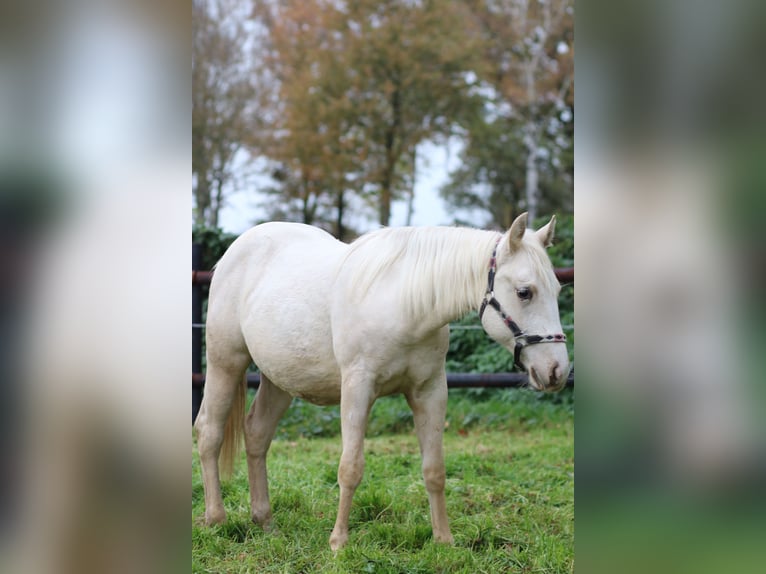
533 376
555 374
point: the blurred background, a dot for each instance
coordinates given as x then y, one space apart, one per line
94 296
669 244
422 112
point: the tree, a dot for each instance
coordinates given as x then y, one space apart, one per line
490 178
528 72
312 142
360 86
224 99
410 63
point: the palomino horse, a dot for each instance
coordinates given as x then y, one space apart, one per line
331 322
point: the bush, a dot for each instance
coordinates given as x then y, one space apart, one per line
214 243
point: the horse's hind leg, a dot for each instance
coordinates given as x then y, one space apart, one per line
225 375
270 404
429 407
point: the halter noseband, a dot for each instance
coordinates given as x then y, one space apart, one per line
522 339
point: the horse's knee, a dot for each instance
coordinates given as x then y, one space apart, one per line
434 477
350 471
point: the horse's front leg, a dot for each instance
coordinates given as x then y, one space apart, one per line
429 406
356 399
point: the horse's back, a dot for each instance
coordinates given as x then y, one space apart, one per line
271 290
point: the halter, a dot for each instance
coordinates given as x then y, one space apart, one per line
522 339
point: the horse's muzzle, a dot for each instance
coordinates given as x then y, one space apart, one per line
552 381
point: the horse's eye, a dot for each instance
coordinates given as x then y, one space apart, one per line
524 293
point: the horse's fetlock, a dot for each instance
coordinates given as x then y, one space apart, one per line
216 516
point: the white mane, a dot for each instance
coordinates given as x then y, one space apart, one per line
442 270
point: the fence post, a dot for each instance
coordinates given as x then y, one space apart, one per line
196 329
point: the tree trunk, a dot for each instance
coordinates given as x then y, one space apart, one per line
202 197
530 141
387 181
340 230
411 197
385 206
384 201
306 207
215 208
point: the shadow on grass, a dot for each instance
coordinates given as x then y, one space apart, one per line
238 530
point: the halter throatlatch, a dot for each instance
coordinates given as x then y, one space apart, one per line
522 339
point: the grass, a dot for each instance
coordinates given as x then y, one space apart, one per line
510 461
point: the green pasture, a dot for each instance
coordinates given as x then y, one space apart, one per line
510 493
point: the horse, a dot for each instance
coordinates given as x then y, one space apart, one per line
331 323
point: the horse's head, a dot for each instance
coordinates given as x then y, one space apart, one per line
520 310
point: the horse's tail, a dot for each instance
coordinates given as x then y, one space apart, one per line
232 434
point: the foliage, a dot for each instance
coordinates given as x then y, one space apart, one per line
510 465
214 241
361 85
412 61
490 177
518 153
335 98
489 185
225 96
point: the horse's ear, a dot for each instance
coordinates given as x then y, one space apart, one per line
518 227
545 233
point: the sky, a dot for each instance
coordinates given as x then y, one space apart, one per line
434 162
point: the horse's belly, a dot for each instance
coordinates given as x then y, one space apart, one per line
309 382
302 366
329 396
284 309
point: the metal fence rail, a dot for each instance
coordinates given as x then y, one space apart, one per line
454 380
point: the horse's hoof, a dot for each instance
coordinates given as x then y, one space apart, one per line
213 518
267 524
338 541
448 539
263 519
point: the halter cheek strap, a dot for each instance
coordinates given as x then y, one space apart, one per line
522 339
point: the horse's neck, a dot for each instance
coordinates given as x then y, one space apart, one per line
459 278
